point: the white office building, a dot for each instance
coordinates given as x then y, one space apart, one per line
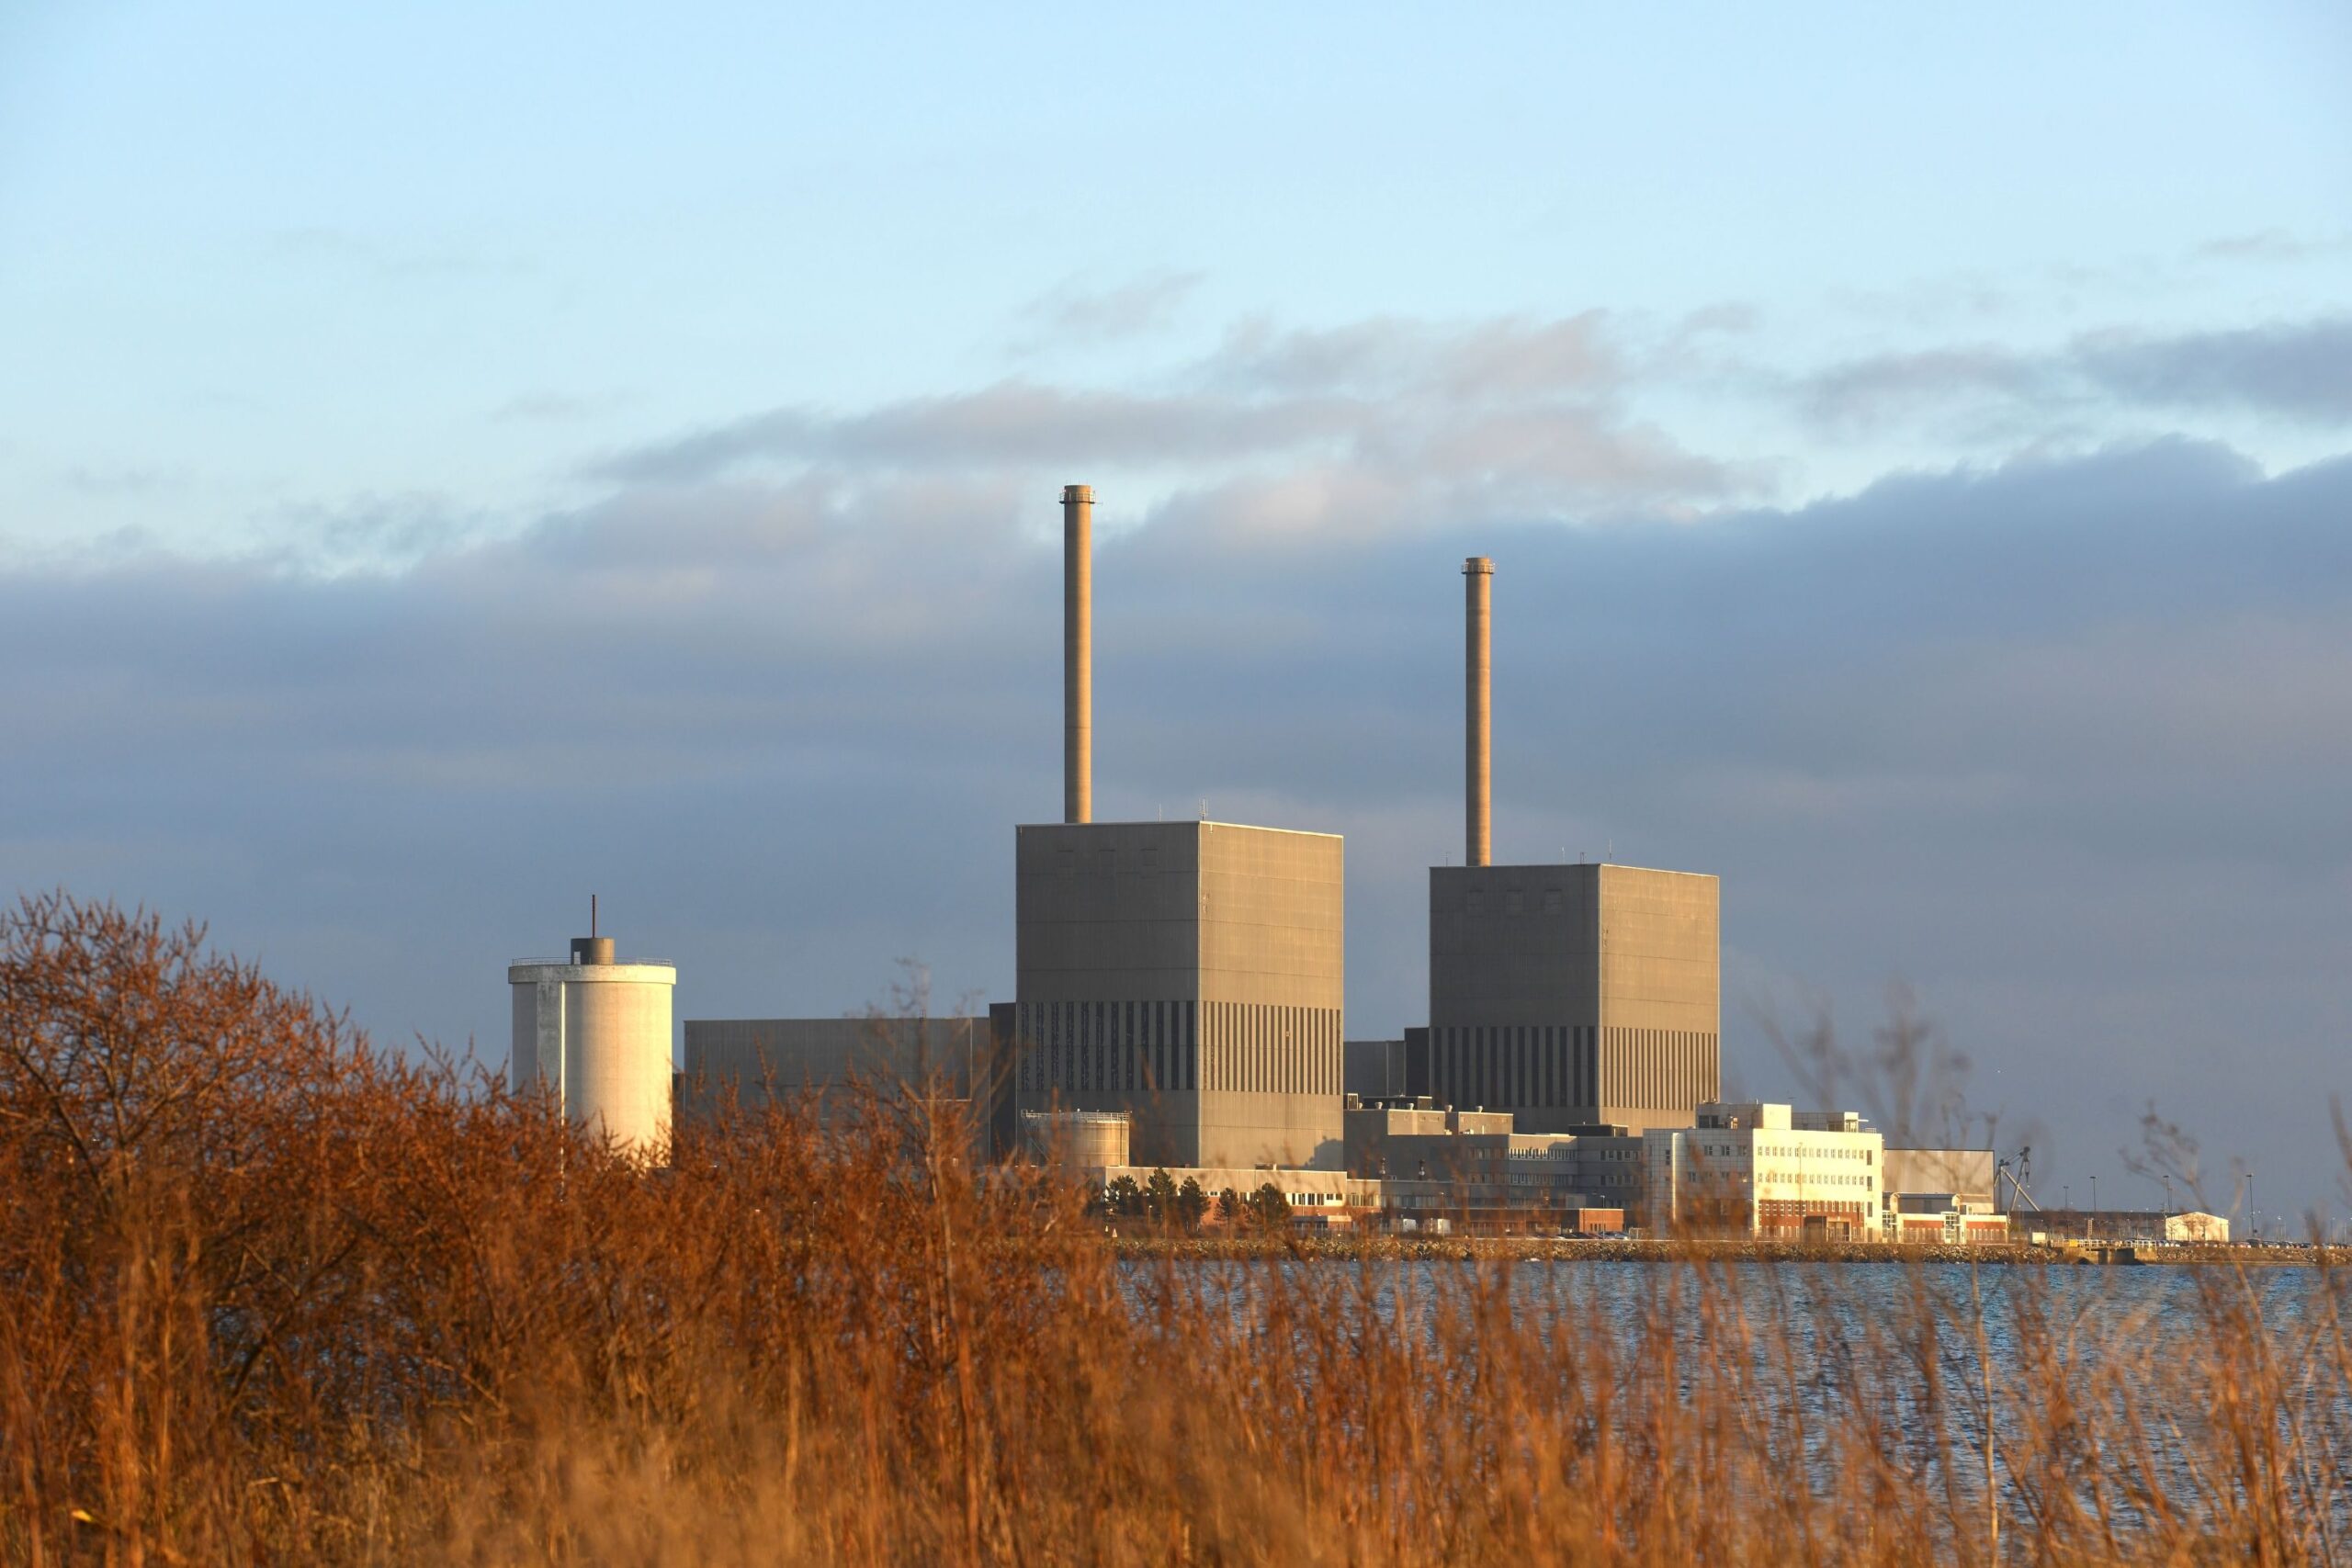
1768 1171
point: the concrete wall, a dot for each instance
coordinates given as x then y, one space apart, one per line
1968 1172
1190 973
1576 995
1375 1069
1370 1129
782 1058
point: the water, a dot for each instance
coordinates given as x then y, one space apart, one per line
2131 1370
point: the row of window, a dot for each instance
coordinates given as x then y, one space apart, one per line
1863 1153
1772 1208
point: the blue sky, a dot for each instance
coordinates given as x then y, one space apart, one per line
1949 409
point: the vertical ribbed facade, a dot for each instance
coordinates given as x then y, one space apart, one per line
1575 995
1190 973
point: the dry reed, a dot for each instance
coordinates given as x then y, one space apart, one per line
267 1295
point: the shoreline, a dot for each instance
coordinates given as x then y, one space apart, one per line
1550 1249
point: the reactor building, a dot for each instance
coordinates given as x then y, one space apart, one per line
1577 998
593 1034
1190 976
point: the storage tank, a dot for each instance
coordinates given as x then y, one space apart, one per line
593 1030
1075 1140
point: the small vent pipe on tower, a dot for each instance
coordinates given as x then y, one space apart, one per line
1078 653
1478 579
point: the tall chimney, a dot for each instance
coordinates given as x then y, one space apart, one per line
1078 653
1477 580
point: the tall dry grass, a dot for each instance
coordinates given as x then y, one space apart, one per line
266 1296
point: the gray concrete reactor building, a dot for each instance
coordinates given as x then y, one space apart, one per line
1572 996
1575 995
1188 973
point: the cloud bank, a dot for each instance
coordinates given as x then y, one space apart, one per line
2064 742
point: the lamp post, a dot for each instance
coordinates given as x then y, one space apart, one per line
2094 1205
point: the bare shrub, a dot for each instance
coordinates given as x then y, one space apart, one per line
267 1295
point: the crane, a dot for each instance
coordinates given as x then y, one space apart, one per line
2018 1174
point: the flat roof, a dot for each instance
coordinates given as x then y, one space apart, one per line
1546 866
1186 822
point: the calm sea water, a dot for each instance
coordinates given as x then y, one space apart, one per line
1826 1339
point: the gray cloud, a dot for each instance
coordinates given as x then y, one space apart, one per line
2300 370
1074 313
1507 358
373 531
1883 387
531 407
2066 742
2272 245
1398 414
124 479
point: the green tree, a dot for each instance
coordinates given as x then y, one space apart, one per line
1125 1197
1192 1204
1269 1207
1160 1198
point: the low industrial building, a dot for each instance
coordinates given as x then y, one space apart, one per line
1969 1173
1765 1171
1477 1168
1942 1197
1942 1219
1318 1200
2121 1225
826 1062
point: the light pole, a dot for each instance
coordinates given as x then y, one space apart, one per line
2094 1205
2252 1218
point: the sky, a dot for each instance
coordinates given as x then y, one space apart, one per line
457 458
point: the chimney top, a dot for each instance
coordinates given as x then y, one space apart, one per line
1481 565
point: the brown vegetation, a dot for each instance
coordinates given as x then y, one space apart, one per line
269 1296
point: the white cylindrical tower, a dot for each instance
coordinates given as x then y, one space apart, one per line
594 1031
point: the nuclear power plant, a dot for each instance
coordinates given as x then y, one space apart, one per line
1180 1005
